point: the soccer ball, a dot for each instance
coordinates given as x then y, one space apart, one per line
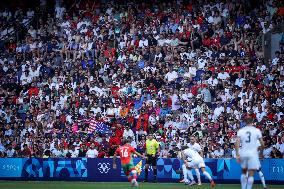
186 182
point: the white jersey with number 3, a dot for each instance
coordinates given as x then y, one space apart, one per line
249 137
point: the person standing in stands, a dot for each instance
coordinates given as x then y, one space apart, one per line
152 151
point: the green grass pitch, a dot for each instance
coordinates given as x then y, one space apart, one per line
111 185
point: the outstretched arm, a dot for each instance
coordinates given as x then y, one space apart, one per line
138 154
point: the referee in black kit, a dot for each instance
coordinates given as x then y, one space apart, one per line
152 151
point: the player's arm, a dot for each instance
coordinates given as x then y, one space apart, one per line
138 154
158 148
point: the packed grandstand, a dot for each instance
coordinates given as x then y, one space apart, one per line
79 76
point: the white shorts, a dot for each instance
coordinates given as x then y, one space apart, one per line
250 163
197 163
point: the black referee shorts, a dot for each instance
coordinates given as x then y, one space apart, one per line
151 160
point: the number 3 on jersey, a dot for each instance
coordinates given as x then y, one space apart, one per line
249 137
124 153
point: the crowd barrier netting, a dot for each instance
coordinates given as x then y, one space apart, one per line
100 170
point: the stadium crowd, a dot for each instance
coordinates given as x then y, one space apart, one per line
91 73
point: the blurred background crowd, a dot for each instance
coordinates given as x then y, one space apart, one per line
78 76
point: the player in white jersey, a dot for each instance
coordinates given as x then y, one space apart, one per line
196 147
260 173
193 160
247 154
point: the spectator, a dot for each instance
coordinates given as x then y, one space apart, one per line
92 152
196 72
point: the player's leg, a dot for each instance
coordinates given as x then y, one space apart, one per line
202 166
244 179
244 165
261 176
154 165
189 173
198 175
133 174
250 179
184 172
253 165
148 160
127 171
190 176
195 164
208 176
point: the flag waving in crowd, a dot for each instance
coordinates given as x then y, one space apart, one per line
93 126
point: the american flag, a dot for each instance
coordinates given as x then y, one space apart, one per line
94 125
102 128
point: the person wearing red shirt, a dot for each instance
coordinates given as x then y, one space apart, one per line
216 41
152 89
206 41
126 157
114 91
142 121
119 130
114 142
33 90
102 153
26 152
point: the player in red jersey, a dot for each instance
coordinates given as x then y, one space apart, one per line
125 152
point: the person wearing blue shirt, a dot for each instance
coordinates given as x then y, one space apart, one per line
138 102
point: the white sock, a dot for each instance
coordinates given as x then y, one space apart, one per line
184 171
198 175
244 181
250 182
261 176
207 175
190 176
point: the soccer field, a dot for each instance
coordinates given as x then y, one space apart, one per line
122 185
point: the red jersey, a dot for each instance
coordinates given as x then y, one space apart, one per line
125 152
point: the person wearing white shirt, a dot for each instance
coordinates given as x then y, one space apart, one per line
175 101
201 63
260 115
74 153
192 70
128 132
212 81
92 152
143 42
25 78
223 75
280 146
96 109
218 110
219 152
56 152
267 151
197 148
239 81
261 68
10 152
171 76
